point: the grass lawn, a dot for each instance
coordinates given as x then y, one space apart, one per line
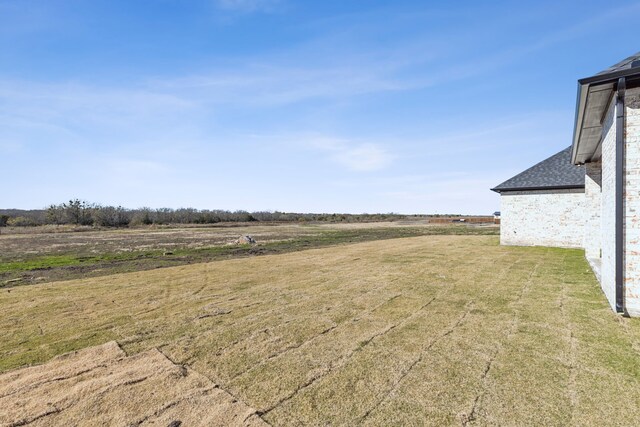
440 330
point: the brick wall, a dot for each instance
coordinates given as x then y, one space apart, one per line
592 214
543 218
632 201
608 207
602 237
586 219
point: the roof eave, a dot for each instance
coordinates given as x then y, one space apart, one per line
557 187
581 104
609 77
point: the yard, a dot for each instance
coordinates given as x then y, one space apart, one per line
439 330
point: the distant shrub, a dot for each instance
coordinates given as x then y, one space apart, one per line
56 215
109 216
21 221
78 212
141 217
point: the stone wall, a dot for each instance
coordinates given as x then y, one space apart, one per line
632 201
543 218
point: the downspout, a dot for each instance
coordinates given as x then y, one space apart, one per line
620 156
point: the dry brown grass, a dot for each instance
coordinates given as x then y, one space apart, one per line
439 330
101 386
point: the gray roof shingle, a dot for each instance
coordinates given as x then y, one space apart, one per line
553 173
625 64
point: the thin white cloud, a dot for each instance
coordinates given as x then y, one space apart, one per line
354 156
469 195
363 158
20 18
276 84
73 113
9 146
248 6
127 166
598 21
330 68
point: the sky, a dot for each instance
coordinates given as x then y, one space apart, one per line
306 106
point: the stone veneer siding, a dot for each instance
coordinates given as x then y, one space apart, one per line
543 218
632 201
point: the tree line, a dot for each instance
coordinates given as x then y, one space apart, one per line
82 213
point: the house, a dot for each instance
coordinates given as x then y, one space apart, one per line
543 205
588 195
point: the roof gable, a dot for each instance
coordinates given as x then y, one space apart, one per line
556 172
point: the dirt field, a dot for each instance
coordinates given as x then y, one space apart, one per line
437 330
49 253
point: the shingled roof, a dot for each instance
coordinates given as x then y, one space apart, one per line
556 172
625 64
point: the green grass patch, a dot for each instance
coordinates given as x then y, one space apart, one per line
52 261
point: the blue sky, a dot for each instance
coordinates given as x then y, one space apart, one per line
308 106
